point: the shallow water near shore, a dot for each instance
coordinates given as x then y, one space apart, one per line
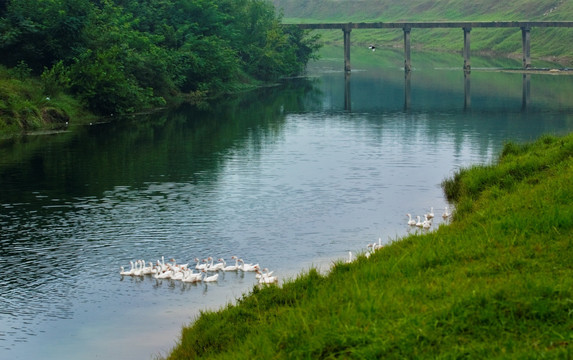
287 177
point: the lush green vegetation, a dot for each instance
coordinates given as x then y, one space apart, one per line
121 56
545 43
495 283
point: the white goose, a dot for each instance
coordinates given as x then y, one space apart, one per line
163 274
147 270
377 246
266 278
419 223
190 276
427 223
200 266
446 213
411 221
369 250
430 215
177 274
180 266
261 274
124 272
247 267
218 266
210 278
138 268
231 267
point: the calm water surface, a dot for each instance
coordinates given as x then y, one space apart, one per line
289 177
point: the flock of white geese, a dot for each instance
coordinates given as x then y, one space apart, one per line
426 224
205 270
208 270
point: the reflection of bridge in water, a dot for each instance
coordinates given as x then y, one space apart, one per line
467 26
525 98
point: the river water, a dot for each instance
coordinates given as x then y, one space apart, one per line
289 177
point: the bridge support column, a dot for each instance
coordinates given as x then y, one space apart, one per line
526 43
467 63
407 62
346 30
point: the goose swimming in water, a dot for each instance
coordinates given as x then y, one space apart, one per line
210 278
124 272
190 276
218 266
231 267
200 266
411 221
247 267
430 215
426 223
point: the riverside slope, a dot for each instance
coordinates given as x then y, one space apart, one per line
495 283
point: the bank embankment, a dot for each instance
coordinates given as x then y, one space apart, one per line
497 282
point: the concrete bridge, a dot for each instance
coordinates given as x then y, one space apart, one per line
466 26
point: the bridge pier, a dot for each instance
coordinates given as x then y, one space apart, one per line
346 30
526 44
407 61
467 64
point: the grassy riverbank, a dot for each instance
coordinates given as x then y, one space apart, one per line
25 105
495 283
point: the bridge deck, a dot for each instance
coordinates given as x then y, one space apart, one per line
467 27
437 24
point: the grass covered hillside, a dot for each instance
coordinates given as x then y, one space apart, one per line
495 283
545 43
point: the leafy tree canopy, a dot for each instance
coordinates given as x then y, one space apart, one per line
123 55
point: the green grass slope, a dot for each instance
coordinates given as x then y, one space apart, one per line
546 43
495 283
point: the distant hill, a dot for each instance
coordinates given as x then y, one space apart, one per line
546 43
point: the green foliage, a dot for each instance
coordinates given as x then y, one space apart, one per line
56 79
495 283
120 56
24 104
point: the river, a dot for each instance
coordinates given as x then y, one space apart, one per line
290 177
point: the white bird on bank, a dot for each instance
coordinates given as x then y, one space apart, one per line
446 213
266 278
263 274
